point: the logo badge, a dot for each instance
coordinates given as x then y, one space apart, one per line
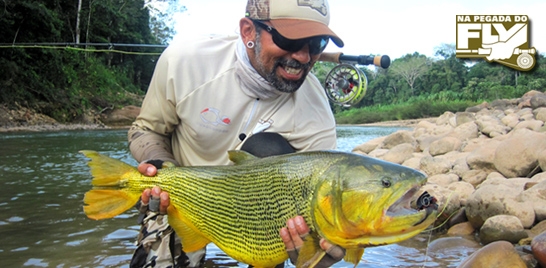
497 38
317 5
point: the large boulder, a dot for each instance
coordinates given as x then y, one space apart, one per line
496 254
502 227
517 156
492 200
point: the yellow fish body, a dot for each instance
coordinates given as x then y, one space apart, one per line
350 200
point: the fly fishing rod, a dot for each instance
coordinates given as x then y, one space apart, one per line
346 84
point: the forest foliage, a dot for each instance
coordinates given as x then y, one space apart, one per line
66 81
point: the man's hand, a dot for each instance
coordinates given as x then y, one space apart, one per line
156 193
293 235
147 169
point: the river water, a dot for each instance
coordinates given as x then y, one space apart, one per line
42 224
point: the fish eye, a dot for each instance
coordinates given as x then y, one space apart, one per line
386 182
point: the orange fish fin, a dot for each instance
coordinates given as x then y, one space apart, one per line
191 240
354 255
104 204
311 252
107 171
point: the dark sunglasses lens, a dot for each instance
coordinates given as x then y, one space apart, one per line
316 44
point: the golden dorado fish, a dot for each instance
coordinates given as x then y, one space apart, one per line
351 200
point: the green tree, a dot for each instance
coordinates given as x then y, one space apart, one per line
411 68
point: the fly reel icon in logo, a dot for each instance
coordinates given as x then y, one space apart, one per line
500 38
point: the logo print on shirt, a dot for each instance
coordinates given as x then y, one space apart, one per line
212 116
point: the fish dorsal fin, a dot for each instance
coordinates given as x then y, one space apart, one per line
191 240
240 157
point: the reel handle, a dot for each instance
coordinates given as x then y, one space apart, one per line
337 57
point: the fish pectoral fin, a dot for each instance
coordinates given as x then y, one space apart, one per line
311 252
104 204
354 255
191 240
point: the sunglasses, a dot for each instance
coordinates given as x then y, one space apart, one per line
317 44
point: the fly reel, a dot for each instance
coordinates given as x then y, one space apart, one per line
346 84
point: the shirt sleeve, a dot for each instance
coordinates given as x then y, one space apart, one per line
150 135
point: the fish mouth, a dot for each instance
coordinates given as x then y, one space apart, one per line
426 205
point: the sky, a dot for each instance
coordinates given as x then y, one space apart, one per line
390 27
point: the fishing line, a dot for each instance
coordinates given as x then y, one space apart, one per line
83 49
437 227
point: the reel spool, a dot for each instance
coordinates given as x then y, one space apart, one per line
346 85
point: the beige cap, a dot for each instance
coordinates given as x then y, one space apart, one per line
294 19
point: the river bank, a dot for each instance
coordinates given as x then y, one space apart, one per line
24 119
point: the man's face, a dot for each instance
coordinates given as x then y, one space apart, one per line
285 70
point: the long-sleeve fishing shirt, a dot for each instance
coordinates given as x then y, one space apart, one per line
205 99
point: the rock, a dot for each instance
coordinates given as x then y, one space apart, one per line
502 227
510 120
466 131
396 138
463 188
538 229
378 153
414 162
492 200
457 218
537 196
369 146
496 254
483 157
399 153
447 118
464 228
491 126
538 246
474 177
434 165
533 125
540 114
477 108
121 117
464 117
539 100
444 145
424 141
460 166
453 244
443 179
517 155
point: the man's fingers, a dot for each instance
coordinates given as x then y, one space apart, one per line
145 197
301 226
147 169
287 239
335 252
164 202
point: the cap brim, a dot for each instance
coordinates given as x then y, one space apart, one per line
298 29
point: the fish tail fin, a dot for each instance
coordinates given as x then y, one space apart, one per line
108 172
105 203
